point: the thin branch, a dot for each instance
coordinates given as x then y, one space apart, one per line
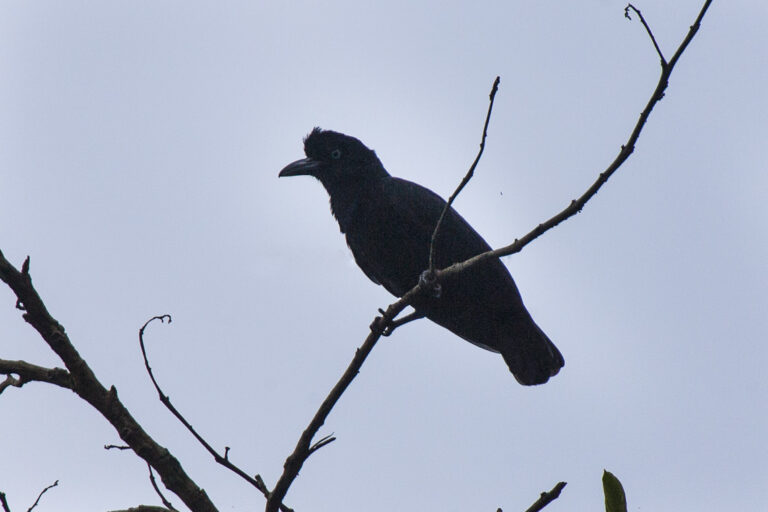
546 498
143 508
322 442
394 324
28 372
4 503
303 450
116 447
257 482
467 177
647 29
576 205
54 484
157 489
90 389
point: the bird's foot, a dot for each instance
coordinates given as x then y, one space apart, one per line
379 326
428 283
386 330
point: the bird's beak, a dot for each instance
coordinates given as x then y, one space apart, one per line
303 167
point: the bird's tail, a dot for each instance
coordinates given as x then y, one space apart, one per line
531 356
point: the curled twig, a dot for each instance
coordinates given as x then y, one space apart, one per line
257 482
647 29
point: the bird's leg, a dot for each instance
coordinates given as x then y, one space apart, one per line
394 324
428 283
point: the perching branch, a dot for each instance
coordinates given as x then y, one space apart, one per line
256 481
79 377
383 323
626 150
88 387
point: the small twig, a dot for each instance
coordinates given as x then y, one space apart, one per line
647 29
322 442
116 447
10 380
54 484
143 508
258 483
4 503
466 178
546 498
166 503
398 322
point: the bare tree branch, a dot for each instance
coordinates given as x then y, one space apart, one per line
116 447
382 324
28 372
467 177
143 508
54 484
79 377
4 502
157 489
626 150
546 498
647 29
303 449
256 481
88 387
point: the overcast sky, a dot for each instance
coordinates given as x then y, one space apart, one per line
139 149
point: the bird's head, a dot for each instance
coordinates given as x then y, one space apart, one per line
335 159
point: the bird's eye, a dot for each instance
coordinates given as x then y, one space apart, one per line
336 154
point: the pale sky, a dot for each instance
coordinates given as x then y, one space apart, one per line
139 149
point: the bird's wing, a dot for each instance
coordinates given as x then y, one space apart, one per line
393 228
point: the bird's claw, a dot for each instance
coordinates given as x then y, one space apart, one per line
428 283
380 327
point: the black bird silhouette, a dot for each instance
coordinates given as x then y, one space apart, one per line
388 223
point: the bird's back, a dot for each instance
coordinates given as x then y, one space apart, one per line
389 232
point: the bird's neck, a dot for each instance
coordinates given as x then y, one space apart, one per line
347 200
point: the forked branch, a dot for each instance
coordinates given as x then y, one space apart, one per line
383 323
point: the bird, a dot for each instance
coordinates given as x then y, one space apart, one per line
388 223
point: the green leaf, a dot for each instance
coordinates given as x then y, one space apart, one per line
615 500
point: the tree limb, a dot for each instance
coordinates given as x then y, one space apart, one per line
28 372
302 451
256 481
88 387
626 150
